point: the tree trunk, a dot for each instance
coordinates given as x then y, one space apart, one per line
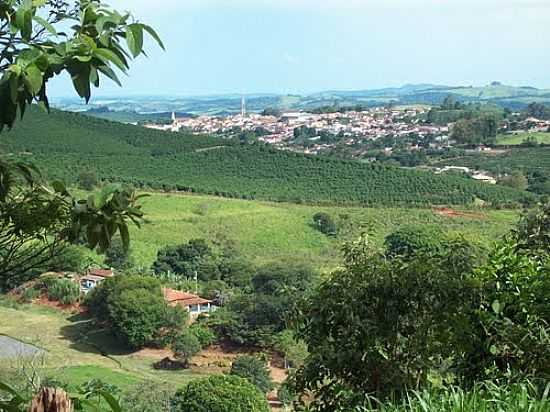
51 400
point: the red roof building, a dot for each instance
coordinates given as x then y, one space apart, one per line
194 304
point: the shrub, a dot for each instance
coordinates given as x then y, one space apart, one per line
185 346
513 339
203 333
220 394
29 294
65 291
411 240
135 308
325 224
118 258
149 396
253 370
379 325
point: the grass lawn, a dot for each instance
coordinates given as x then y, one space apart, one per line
515 139
266 231
76 352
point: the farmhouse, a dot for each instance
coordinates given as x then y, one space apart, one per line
194 304
93 278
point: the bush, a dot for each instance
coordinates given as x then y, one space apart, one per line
149 396
219 394
118 258
29 294
253 370
205 336
513 339
411 240
379 325
65 291
185 346
325 224
135 308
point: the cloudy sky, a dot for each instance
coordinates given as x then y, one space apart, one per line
300 46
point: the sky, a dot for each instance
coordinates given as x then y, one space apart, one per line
305 46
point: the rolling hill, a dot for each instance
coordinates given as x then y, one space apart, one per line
64 144
136 108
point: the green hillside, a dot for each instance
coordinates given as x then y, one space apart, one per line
265 232
63 144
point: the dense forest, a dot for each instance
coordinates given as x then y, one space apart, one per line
63 144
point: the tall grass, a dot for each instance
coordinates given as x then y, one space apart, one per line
487 397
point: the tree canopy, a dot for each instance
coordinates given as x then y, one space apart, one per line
43 39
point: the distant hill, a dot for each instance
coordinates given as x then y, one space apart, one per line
495 93
64 144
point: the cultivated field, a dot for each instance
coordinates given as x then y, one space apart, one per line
519 138
265 232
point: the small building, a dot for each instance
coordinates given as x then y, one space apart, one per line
93 278
193 304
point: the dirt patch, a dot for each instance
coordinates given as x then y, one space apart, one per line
44 301
447 212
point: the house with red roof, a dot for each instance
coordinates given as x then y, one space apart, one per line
194 304
93 278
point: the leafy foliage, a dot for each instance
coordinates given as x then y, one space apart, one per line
65 291
325 224
220 394
411 240
42 39
186 345
254 370
381 325
256 316
135 308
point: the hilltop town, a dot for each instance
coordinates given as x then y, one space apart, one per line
315 133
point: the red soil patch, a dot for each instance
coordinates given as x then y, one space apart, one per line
444 211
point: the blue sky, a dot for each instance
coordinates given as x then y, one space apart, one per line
301 46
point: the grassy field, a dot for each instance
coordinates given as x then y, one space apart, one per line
515 139
76 352
265 232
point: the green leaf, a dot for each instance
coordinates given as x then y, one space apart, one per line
154 35
108 56
44 23
60 188
113 403
497 307
134 38
107 71
124 235
34 79
14 88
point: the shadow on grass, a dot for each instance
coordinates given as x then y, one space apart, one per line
86 336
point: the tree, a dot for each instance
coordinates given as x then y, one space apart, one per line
516 180
254 370
87 180
219 394
38 222
38 41
411 240
117 257
185 259
135 308
532 233
185 346
538 110
325 224
513 331
42 39
380 326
